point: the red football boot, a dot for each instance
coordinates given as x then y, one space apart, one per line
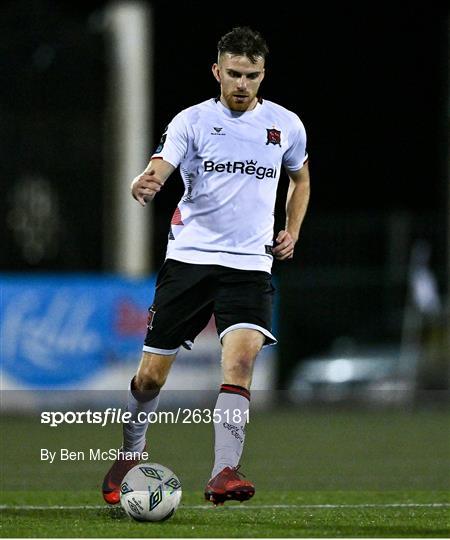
229 486
114 477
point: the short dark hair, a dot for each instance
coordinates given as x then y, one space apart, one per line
243 41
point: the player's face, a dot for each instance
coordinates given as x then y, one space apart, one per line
239 80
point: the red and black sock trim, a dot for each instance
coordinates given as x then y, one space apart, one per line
234 389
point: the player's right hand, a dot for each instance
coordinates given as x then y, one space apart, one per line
145 186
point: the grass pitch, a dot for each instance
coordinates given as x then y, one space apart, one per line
318 473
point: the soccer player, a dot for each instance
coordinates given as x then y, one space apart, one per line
220 250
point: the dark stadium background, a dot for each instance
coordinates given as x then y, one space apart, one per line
370 84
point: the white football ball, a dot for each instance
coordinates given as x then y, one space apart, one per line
150 492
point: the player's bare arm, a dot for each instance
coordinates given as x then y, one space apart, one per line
296 205
147 184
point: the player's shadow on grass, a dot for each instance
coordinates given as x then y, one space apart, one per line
115 512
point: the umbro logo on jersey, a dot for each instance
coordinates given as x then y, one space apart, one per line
249 167
217 131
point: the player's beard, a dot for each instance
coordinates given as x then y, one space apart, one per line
241 102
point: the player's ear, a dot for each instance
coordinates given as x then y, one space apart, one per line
216 72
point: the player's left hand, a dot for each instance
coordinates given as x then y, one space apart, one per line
284 248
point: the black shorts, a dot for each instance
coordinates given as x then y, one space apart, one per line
188 294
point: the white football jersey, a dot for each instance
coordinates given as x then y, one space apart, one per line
230 163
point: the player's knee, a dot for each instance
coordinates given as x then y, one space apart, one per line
150 378
243 361
249 351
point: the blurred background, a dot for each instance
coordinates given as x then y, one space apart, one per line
86 90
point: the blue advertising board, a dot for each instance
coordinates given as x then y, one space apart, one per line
57 331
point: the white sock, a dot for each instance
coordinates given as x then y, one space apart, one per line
134 432
232 407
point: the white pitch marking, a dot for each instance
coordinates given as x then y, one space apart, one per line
233 507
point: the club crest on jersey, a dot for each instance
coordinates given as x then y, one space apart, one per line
273 136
